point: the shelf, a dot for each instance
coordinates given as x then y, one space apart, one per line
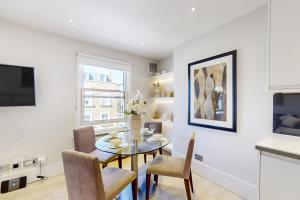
163 99
166 122
162 77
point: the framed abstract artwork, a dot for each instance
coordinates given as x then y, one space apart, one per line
212 92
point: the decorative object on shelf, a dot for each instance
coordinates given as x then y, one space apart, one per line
212 92
164 93
172 117
156 89
169 93
136 106
156 115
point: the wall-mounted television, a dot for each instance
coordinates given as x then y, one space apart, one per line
16 86
286 114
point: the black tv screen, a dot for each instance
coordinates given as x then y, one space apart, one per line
16 86
286 114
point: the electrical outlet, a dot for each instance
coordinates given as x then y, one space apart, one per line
30 162
16 165
4 168
198 157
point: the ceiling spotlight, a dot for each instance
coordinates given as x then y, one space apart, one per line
193 9
71 20
142 44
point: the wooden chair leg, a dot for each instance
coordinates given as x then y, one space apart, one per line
134 189
156 179
187 188
145 158
120 161
148 177
160 151
191 181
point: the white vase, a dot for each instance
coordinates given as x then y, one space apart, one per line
156 91
135 123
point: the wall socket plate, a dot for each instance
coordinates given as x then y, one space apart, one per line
30 162
16 165
198 157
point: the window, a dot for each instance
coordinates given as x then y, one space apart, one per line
104 78
105 116
107 102
103 86
91 76
88 101
87 117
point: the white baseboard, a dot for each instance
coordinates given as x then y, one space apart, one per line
54 169
232 183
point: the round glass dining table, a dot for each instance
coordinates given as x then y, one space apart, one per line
132 145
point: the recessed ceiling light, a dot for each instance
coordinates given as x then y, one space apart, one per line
193 9
71 20
142 44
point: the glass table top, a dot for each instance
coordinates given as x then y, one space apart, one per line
131 144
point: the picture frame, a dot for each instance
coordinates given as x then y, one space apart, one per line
212 92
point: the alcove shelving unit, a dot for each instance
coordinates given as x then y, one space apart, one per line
163 104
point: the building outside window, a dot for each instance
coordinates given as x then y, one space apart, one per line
91 76
104 116
87 117
104 78
88 101
107 102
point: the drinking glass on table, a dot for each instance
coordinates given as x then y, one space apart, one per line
152 127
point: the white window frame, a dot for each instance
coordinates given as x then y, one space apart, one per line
85 59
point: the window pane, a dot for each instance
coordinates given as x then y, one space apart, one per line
105 105
103 78
103 97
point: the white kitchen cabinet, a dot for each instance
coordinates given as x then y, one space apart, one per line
279 168
284 44
280 177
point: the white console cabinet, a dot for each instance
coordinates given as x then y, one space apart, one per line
284 44
279 177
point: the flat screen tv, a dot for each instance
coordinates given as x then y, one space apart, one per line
286 114
16 86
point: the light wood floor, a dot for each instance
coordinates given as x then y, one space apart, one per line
169 188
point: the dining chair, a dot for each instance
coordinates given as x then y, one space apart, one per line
84 141
173 167
86 181
158 130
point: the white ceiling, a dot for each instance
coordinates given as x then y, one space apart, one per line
124 24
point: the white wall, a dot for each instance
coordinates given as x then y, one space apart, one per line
46 129
166 64
230 159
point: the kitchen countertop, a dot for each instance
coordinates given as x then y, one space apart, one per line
283 145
